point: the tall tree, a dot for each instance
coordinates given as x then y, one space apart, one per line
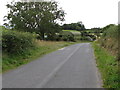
39 17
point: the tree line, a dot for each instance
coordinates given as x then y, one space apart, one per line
79 26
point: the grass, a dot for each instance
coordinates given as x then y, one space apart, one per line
43 47
108 67
72 30
75 32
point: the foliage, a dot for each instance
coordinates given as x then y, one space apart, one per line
39 17
111 31
74 26
66 36
52 35
108 67
93 33
16 42
87 36
77 34
109 39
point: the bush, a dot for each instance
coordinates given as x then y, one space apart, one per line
17 42
67 36
109 40
85 38
111 31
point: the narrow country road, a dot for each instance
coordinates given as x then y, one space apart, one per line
70 67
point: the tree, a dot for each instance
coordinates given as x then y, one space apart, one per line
39 17
80 25
74 26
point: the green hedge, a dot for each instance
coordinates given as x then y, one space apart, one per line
111 32
14 42
66 36
110 40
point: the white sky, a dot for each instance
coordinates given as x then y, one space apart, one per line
93 13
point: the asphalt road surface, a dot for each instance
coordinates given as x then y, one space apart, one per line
70 67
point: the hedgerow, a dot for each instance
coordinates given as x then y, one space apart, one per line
109 40
14 42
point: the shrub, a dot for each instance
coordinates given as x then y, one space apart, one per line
58 38
84 38
110 39
67 36
14 42
112 31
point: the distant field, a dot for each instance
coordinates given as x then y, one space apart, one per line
71 30
74 32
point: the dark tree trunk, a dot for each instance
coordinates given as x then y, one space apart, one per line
42 35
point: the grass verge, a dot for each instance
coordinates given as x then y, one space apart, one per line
43 47
108 67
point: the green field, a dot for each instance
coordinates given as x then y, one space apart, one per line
73 31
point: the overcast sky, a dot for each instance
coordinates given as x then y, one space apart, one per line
93 13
